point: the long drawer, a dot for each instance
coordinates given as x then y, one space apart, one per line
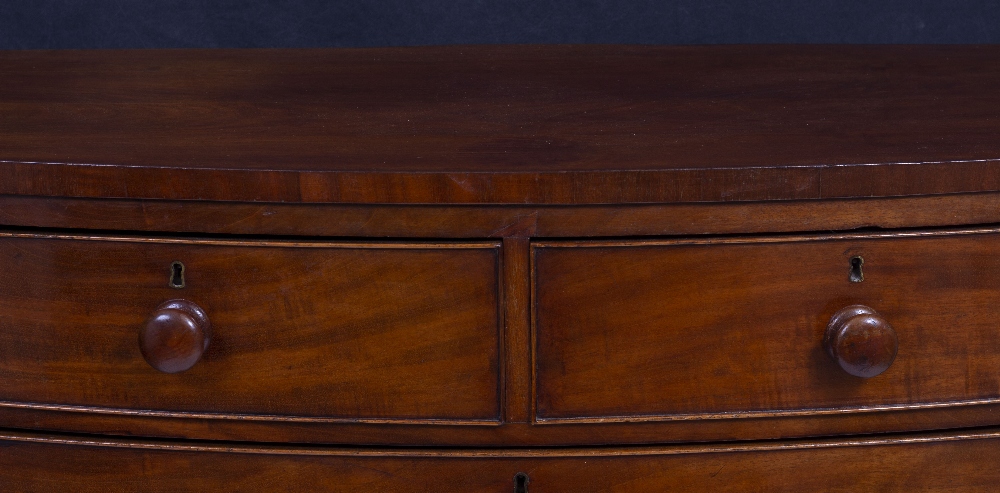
942 462
747 327
291 331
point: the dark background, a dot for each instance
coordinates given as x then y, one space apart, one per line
32 24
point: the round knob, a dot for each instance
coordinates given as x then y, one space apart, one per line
175 336
861 341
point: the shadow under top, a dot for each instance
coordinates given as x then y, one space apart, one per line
502 124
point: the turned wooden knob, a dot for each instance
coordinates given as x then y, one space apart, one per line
861 341
175 336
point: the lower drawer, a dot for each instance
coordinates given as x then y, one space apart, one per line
39 463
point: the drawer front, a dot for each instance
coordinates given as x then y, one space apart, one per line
299 331
904 464
677 330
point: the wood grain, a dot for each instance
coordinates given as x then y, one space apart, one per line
733 327
460 222
60 415
860 341
517 333
508 434
502 124
175 336
323 331
434 269
942 462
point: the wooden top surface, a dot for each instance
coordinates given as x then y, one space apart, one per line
502 124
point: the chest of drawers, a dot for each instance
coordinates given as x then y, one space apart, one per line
500 269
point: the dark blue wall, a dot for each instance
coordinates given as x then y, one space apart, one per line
303 23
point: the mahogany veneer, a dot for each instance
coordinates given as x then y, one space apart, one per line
735 327
903 463
500 268
301 331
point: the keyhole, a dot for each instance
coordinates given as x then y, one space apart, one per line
857 275
177 275
520 483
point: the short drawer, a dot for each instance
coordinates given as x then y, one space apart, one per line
735 327
311 331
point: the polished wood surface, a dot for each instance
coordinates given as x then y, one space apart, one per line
939 462
367 433
502 124
520 268
175 335
734 327
160 417
323 331
436 221
862 342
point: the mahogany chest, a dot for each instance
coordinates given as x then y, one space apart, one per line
496 269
